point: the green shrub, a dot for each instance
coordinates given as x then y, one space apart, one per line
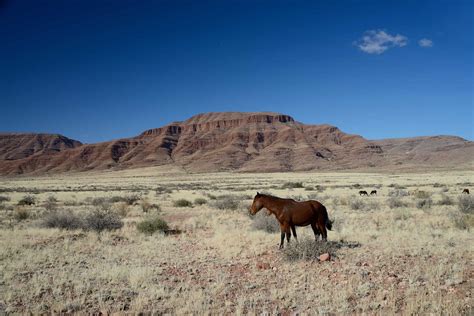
152 224
182 203
200 201
27 200
267 223
62 220
101 219
292 185
4 199
131 199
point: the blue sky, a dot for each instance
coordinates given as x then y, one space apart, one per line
100 70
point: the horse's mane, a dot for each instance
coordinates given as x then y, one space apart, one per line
271 196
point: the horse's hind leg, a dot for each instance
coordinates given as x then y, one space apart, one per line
293 229
315 231
324 232
282 235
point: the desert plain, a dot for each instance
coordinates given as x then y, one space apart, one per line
406 250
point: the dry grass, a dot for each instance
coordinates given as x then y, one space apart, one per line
385 260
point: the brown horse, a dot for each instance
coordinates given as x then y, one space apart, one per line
363 193
291 213
373 192
465 191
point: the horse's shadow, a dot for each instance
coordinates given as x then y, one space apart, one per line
309 249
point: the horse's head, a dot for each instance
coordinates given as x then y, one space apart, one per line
257 204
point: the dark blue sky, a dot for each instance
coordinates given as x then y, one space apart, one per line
99 70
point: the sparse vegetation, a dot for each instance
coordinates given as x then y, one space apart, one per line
265 222
27 200
101 219
21 214
182 203
147 273
424 203
357 204
147 206
226 202
292 185
4 199
309 249
51 203
152 225
466 204
445 200
395 202
398 193
200 201
422 195
63 220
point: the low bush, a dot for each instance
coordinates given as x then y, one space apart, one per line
182 203
357 204
152 224
395 202
445 200
265 222
462 221
466 204
102 219
21 214
147 206
4 199
226 202
398 193
122 209
422 195
200 201
424 203
292 185
27 200
51 203
62 220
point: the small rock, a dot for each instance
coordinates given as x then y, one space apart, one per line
324 257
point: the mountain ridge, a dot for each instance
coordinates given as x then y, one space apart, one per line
233 141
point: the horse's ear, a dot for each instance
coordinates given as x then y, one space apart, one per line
258 193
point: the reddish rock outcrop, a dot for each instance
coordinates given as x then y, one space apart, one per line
245 142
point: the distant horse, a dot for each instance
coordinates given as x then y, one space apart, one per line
363 193
291 213
373 192
465 191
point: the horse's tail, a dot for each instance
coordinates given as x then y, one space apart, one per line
327 220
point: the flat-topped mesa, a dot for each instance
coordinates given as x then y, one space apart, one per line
219 120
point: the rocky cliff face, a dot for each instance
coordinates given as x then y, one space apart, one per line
246 142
